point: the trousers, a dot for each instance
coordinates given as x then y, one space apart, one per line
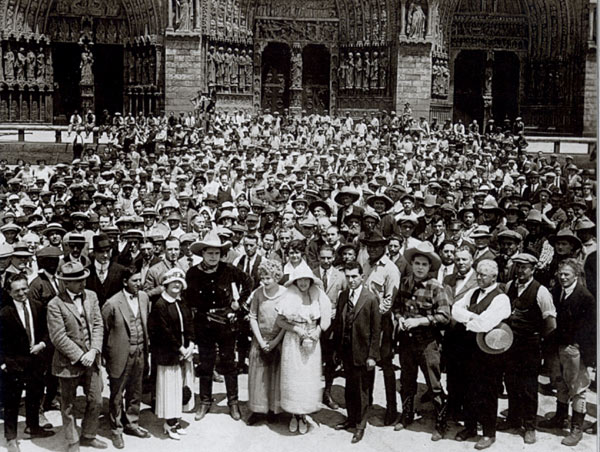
126 392
13 384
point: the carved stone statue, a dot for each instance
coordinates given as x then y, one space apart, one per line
297 70
367 76
49 68
383 71
227 65
441 77
249 70
350 72
220 69
415 26
20 64
211 67
40 72
374 75
489 75
235 69
243 64
9 65
31 59
151 66
184 15
342 72
87 60
359 71
138 66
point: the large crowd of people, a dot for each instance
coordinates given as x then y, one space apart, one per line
191 249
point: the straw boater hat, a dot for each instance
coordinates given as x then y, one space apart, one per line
211 240
72 271
424 249
496 341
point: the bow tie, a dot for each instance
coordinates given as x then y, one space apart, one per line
460 277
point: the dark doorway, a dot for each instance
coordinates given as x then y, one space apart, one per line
469 72
275 77
505 86
108 78
67 74
315 79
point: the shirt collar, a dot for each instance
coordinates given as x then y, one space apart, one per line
168 298
487 290
73 295
569 290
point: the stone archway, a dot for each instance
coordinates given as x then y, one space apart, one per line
275 77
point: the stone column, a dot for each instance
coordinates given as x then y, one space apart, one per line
488 88
413 77
170 15
296 80
403 18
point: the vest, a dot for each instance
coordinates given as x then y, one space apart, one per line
526 317
136 333
484 303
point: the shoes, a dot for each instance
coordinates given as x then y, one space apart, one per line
13 446
573 438
436 436
560 418
179 429
465 434
271 417
253 419
390 417
328 401
507 424
118 442
44 422
171 432
529 437
202 411
592 429
137 431
234 412
38 432
293 424
358 435
485 442
302 426
92 442
73 447
346 425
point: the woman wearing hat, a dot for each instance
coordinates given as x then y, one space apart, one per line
304 313
171 338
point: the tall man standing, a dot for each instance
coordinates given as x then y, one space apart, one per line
75 329
106 276
125 317
215 292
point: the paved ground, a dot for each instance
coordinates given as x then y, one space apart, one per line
218 432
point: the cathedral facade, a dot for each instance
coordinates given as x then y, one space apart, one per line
448 59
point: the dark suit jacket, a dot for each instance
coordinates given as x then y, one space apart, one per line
341 215
451 282
112 284
241 264
165 331
366 328
14 343
41 290
117 331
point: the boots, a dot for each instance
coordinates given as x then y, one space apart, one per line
576 430
408 414
441 421
559 418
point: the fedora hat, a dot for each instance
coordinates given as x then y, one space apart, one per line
564 234
347 191
374 239
430 201
496 341
101 242
72 271
211 240
424 249
491 206
464 210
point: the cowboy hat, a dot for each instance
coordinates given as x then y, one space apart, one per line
496 341
211 240
349 192
303 271
322 204
567 235
72 271
424 249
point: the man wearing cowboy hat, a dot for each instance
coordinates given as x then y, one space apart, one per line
217 293
420 308
76 331
533 317
481 310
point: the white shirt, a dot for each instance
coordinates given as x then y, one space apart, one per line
23 309
354 295
101 271
498 310
569 290
462 282
78 302
133 302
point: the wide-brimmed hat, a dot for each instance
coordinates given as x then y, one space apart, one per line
374 239
491 206
211 240
347 191
565 234
6 250
496 341
21 250
424 249
303 271
54 227
386 199
430 201
322 204
464 210
10 227
72 271
172 275
481 232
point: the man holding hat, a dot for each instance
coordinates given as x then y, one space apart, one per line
533 317
76 331
480 312
420 308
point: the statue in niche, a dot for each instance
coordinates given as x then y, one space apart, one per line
415 25
350 72
49 68
138 66
130 65
342 72
184 15
374 75
297 69
9 65
101 32
220 69
211 67
359 71
242 64
227 66
383 71
20 64
31 60
489 75
87 60
441 77
235 69
367 76
249 70
111 32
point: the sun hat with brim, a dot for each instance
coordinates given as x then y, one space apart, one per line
10 227
72 271
322 204
303 271
386 199
374 239
424 249
567 235
211 240
347 191
54 228
6 250
172 275
481 232
496 341
585 223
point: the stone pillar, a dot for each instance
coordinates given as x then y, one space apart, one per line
413 77
170 15
296 80
183 70
402 18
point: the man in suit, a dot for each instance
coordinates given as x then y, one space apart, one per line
333 283
357 330
23 337
76 331
125 350
106 276
152 284
574 349
481 236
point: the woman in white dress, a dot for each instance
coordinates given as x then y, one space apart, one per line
304 313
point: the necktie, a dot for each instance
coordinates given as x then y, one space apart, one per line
351 298
325 280
28 324
444 273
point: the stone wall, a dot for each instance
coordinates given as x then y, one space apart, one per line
183 71
413 77
590 95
